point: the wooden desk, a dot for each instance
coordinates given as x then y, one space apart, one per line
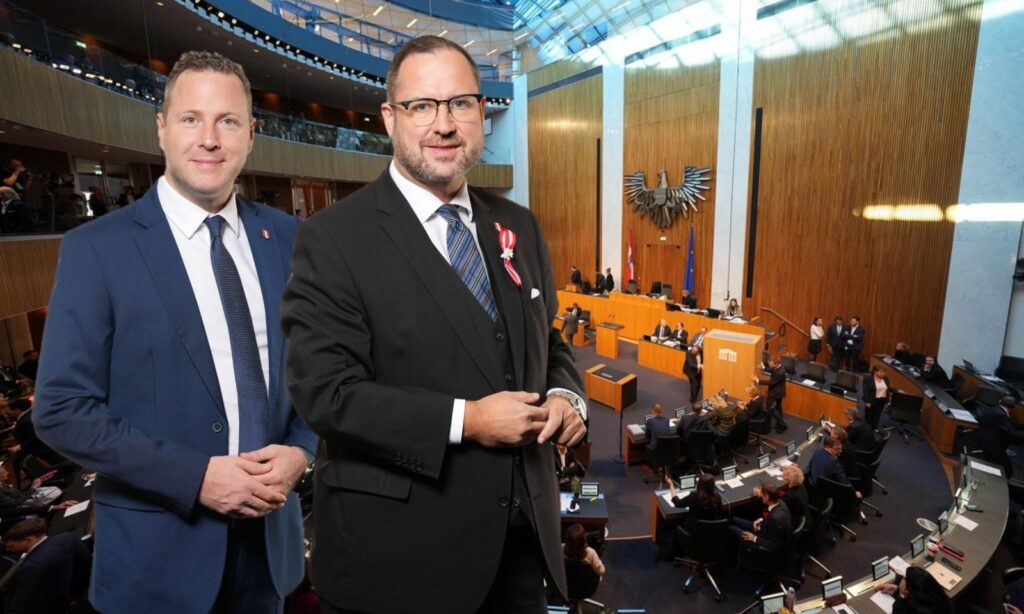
593 515
633 446
811 401
608 339
938 426
974 380
611 387
661 358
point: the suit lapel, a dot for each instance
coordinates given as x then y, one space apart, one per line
266 253
401 225
509 296
163 260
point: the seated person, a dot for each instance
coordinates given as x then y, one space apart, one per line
656 426
50 574
733 310
903 353
567 467
702 503
15 503
693 421
848 457
681 334
770 530
576 549
825 464
932 373
698 339
722 416
661 331
859 432
918 593
688 300
793 492
754 408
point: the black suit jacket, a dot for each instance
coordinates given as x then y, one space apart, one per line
796 502
834 338
382 340
609 283
860 435
868 388
853 338
937 375
577 278
662 331
774 528
995 431
571 468
44 581
657 427
682 336
777 383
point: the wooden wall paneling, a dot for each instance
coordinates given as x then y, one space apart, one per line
671 120
556 71
29 266
564 125
875 122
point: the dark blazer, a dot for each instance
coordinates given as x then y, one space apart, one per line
868 388
796 502
662 331
568 470
824 465
599 283
577 278
995 431
711 510
861 436
775 528
755 408
383 337
691 422
777 383
937 375
44 581
834 338
690 364
681 336
127 387
609 283
656 427
853 338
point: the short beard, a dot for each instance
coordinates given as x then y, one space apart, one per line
419 167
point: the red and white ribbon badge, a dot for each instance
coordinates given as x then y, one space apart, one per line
507 240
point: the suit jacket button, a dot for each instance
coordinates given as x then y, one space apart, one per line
418 467
503 501
500 337
515 502
508 378
217 427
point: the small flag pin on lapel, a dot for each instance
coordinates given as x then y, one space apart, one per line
265 233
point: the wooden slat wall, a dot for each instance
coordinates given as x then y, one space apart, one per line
38 96
29 267
556 71
564 125
880 122
671 120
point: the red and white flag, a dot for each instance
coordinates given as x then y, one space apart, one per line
629 256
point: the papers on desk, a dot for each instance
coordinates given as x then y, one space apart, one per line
898 565
635 430
734 483
944 575
962 414
785 462
667 496
808 382
75 509
965 522
993 378
883 601
986 468
775 472
842 608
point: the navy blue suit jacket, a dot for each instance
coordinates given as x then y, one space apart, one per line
127 387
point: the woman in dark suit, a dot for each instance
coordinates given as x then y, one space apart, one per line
876 393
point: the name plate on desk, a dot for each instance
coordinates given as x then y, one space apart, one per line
612 325
610 374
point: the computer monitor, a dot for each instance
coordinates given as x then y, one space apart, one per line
729 472
832 587
917 546
943 522
589 489
810 433
714 313
791 448
682 411
837 389
880 568
687 482
958 499
552 609
647 417
773 604
763 461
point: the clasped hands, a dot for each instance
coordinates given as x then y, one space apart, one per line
511 419
252 484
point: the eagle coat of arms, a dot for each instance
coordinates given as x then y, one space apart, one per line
664 202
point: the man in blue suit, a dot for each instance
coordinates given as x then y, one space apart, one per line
161 370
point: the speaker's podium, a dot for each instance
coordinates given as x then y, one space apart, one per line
608 339
730 360
611 387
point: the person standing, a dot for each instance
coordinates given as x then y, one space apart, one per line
776 383
816 335
853 340
575 276
609 281
161 369
834 339
693 368
435 419
876 393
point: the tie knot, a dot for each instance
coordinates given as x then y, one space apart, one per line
450 213
215 224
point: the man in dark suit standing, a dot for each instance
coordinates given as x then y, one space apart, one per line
44 581
599 282
421 350
860 434
834 340
693 368
576 277
609 281
161 369
853 340
776 383
996 432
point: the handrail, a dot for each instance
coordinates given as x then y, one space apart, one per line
787 321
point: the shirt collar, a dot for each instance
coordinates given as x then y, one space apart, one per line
423 203
187 216
34 546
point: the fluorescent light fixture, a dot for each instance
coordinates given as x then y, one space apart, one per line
413 22
376 11
904 213
443 32
469 43
491 52
524 34
986 212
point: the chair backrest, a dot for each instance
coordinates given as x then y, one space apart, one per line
843 498
789 554
700 448
666 289
584 315
847 380
762 426
954 384
789 364
631 286
905 408
655 287
917 359
818 536
581 580
816 371
740 434
586 287
986 395
709 541
666 451
866 484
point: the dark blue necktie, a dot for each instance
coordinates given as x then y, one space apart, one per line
465 259
253 406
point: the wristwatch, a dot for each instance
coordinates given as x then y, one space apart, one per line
577 403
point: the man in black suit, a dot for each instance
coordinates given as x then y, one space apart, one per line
825 464
428 365
662 331
859 432
567 467
657 426
693 368
834 340
853 340
49 573
609 281
575 276
688 300
996 432
932 373
599 282
776 383
681 334
767 534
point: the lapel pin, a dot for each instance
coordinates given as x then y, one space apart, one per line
265 233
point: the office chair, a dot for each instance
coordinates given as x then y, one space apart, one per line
782 567
705 547
666 289
818 535
700 450
954 384
847 380
789 364
581 582
631 287
866 485
664 455
816 372
760 428
869 457
655 288
985 395
917 360
905 410
844 503
737 439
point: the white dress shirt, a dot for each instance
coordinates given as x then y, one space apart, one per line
424 206
193 240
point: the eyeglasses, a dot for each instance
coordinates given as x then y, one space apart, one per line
423 111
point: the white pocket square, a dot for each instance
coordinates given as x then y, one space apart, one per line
534 293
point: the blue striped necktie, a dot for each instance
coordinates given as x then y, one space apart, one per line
465 259
253 405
